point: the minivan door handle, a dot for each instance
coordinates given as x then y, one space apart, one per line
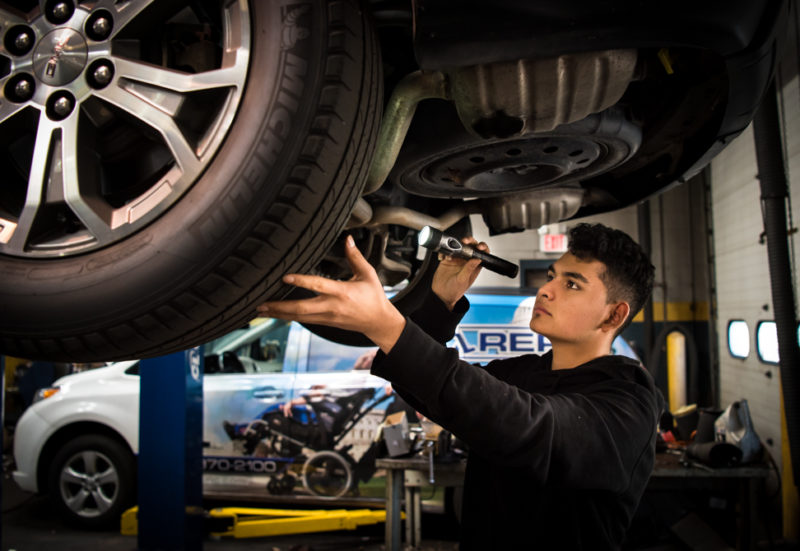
268 392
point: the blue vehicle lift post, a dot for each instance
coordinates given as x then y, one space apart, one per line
170 512
2 422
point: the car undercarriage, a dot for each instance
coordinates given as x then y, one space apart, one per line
182 156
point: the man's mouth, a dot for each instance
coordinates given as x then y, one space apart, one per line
540 310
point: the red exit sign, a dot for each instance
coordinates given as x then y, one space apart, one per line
553 242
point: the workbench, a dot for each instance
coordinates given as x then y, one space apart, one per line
671 475
405 477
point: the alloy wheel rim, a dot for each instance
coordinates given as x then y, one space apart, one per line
89 484
67 73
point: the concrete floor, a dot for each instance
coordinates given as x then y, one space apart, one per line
30 523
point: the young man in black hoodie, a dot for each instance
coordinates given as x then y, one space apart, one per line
560 445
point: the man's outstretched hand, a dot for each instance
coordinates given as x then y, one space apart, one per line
358 304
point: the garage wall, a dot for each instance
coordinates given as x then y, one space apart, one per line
742 272
742 285
679 252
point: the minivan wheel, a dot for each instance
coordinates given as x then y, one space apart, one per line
183 157
92 480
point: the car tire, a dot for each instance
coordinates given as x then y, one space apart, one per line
271 201
92 481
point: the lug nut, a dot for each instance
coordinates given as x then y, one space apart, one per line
20 88
99 25
19 40
23 90
99 74
60 105
102 75
23 41
59 11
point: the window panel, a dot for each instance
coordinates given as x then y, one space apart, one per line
767 342
738 338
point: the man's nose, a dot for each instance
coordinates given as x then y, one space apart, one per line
546 290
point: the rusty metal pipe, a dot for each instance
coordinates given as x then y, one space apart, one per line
414 88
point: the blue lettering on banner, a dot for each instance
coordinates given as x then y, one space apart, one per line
492 343
482 342
462 345
523 342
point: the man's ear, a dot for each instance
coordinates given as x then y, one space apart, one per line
617 317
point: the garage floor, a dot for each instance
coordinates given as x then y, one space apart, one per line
30 524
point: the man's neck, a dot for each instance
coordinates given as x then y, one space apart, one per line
570 355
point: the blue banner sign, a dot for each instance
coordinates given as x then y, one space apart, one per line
481 343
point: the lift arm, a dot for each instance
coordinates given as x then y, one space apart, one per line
247 522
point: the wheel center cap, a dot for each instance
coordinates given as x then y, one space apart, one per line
60 57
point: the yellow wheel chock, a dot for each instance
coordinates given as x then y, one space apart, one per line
247 522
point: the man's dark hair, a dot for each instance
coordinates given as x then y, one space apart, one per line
629 273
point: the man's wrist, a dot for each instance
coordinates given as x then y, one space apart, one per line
447 301
386 334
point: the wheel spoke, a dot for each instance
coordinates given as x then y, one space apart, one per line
109 476
40 162
157 78
104 503
89 462
83 203
9 109
71 476
156 111
77 501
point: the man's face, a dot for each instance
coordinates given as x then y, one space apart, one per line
572 305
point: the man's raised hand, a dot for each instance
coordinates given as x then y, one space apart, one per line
454 276
358 304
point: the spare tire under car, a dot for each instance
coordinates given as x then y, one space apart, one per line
281 147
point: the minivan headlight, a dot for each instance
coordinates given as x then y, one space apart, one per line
43 393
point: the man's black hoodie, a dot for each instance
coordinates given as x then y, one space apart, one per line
558 459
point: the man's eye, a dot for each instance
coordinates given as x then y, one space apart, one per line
549 277
572 285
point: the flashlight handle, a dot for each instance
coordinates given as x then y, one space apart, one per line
493 263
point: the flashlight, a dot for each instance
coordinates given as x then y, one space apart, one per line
433 239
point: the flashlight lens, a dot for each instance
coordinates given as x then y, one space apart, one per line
424 235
